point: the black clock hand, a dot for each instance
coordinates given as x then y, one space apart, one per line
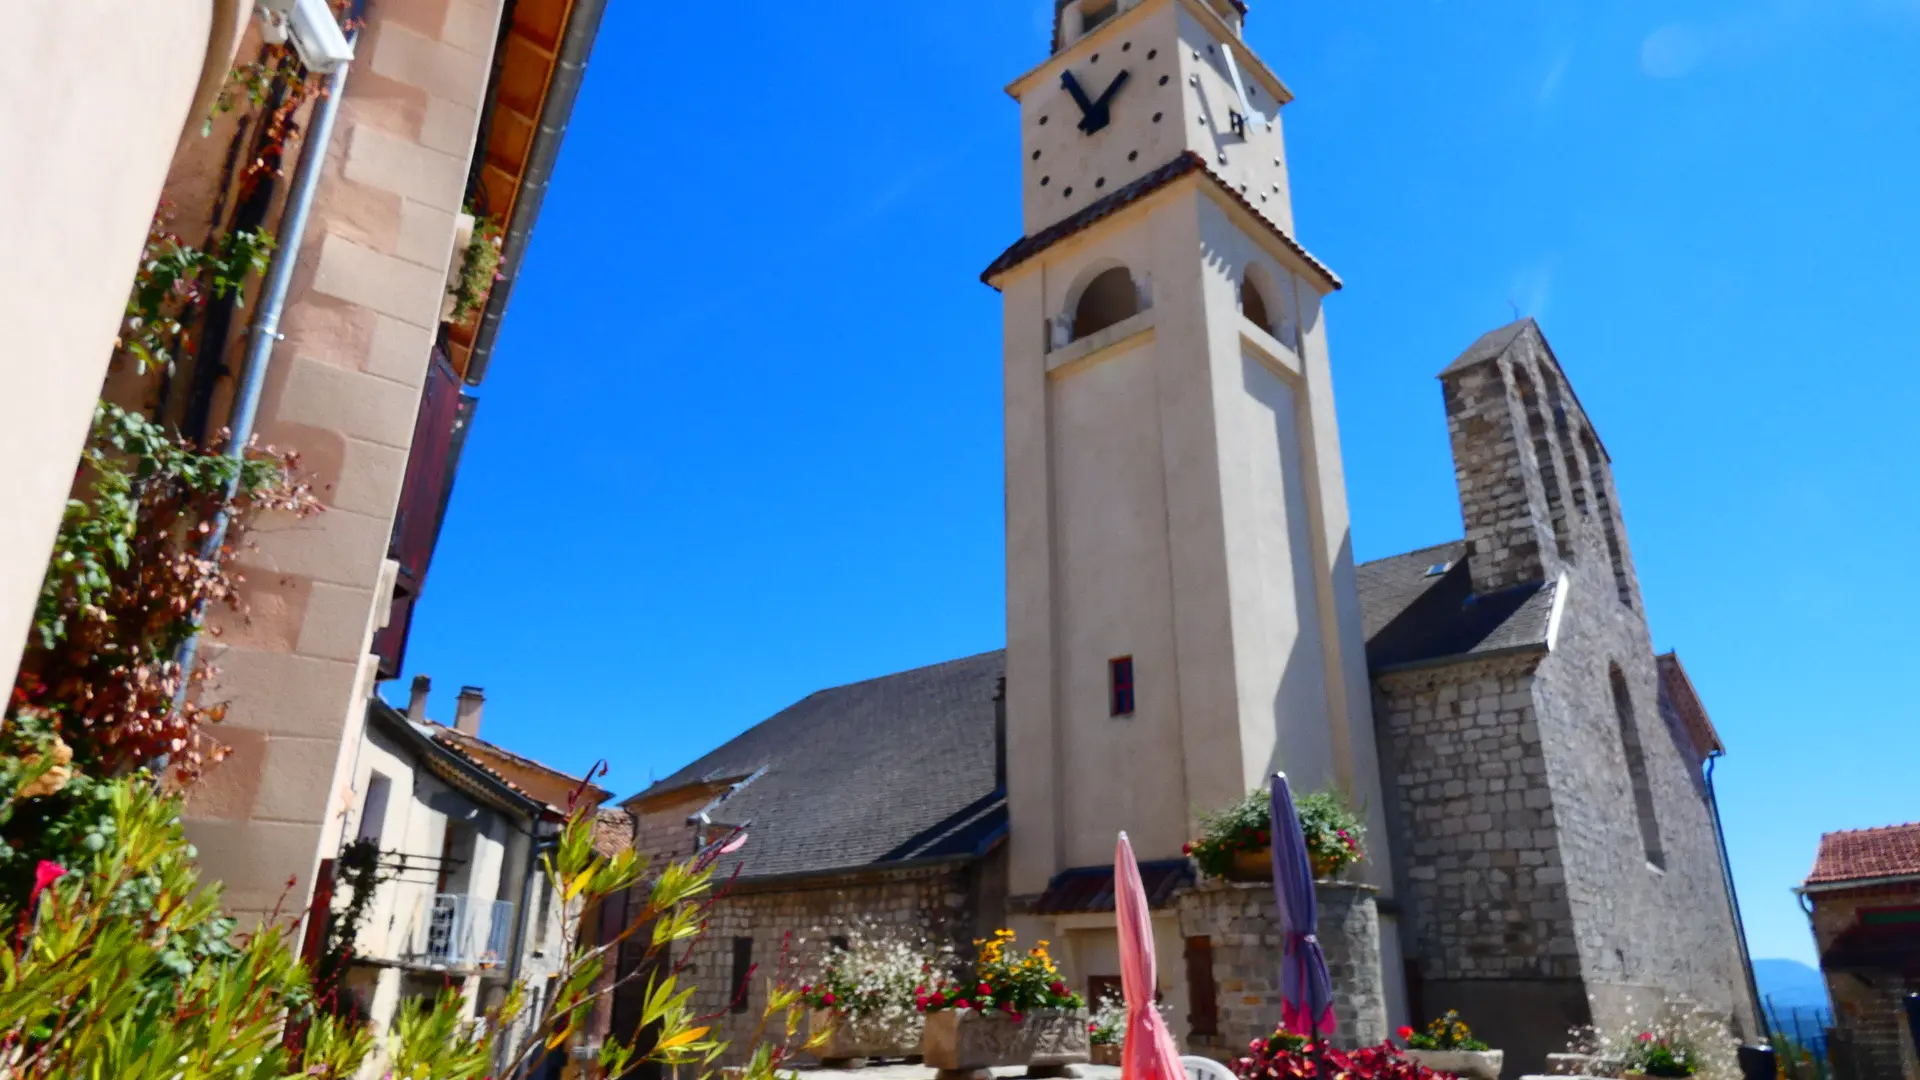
1112 89
1079 96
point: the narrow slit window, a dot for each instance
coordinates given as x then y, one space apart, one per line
742 972
1120 680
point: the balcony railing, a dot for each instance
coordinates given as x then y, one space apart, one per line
459 931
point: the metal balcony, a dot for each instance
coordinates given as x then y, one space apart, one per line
463 932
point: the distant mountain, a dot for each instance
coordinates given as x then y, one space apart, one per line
1790 984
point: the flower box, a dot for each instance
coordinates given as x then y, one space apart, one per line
1480 1064
962 1041
863 1037
1105 1054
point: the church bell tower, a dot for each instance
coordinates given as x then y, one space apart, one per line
1182 617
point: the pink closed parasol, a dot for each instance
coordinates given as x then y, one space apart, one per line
1148 1052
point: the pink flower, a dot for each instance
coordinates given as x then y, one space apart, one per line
1646 1036
826 998
44 875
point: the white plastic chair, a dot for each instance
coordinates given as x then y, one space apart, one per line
1202 1068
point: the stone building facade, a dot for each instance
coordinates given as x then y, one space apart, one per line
1864 895
1561 860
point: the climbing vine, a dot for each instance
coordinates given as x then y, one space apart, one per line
173 283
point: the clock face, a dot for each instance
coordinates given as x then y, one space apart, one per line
1095 113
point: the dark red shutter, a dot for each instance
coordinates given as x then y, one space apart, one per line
438 433
1203 999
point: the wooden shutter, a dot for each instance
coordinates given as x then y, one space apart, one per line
1203 998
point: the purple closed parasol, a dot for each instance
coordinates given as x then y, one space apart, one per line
1306 991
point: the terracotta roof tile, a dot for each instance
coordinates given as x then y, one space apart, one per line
1862 854
612 832
1122 197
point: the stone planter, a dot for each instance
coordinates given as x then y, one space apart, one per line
1105 1054
1479 1064
852 1038
1044 1038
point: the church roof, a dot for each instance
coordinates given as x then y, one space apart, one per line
1419 608
1891 851
895 769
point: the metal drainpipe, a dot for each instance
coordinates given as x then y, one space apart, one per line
266 325
537 845
1733 899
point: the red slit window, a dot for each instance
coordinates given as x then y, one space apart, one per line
1120 679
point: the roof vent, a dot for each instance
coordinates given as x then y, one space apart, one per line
1439 568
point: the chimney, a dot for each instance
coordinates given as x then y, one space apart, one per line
417 703
466 710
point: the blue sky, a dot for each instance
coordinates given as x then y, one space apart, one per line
741 438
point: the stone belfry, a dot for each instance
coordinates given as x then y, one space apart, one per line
1181 609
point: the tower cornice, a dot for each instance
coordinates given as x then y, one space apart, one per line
1187 165
1255 68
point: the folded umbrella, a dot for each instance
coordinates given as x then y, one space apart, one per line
1148 1052
1306 991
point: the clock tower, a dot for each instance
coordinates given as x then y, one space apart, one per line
1182 617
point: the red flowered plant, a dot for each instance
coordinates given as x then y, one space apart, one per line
1286 1056
1003 981
1333 831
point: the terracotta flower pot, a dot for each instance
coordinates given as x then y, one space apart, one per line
963 1041
863 1037
1479 1064
1105 1053
1252 865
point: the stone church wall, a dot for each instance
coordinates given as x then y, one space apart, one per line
1243 925
1490 930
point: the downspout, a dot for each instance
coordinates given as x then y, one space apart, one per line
569 71
266 325
1733 898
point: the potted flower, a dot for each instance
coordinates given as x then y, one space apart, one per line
1107 1030
1287 1056
1448 1046
478 243
1237 843
860 997
1658 1055
1012 1010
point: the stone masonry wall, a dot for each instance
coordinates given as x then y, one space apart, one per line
1484 893
1243 924
1872 1040
939 902
1503 502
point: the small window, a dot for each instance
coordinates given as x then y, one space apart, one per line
373 809
839 942
1439 568
742 972
1120 679
1252 304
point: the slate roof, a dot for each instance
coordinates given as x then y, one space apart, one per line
1413 618
891 769
1491 344
1090 888
1126 195
1864 854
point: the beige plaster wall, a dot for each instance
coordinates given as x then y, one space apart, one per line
96 95
343 390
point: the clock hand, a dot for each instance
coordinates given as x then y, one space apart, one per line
1112 89
1073 87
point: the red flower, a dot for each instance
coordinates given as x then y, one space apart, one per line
806 988
44 875
963 1004
983 990
1058 987
1091 1026
938 999
1263 837
1646 1036
1186 848
1405 1032
826 998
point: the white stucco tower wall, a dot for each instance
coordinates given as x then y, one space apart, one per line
1174 483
